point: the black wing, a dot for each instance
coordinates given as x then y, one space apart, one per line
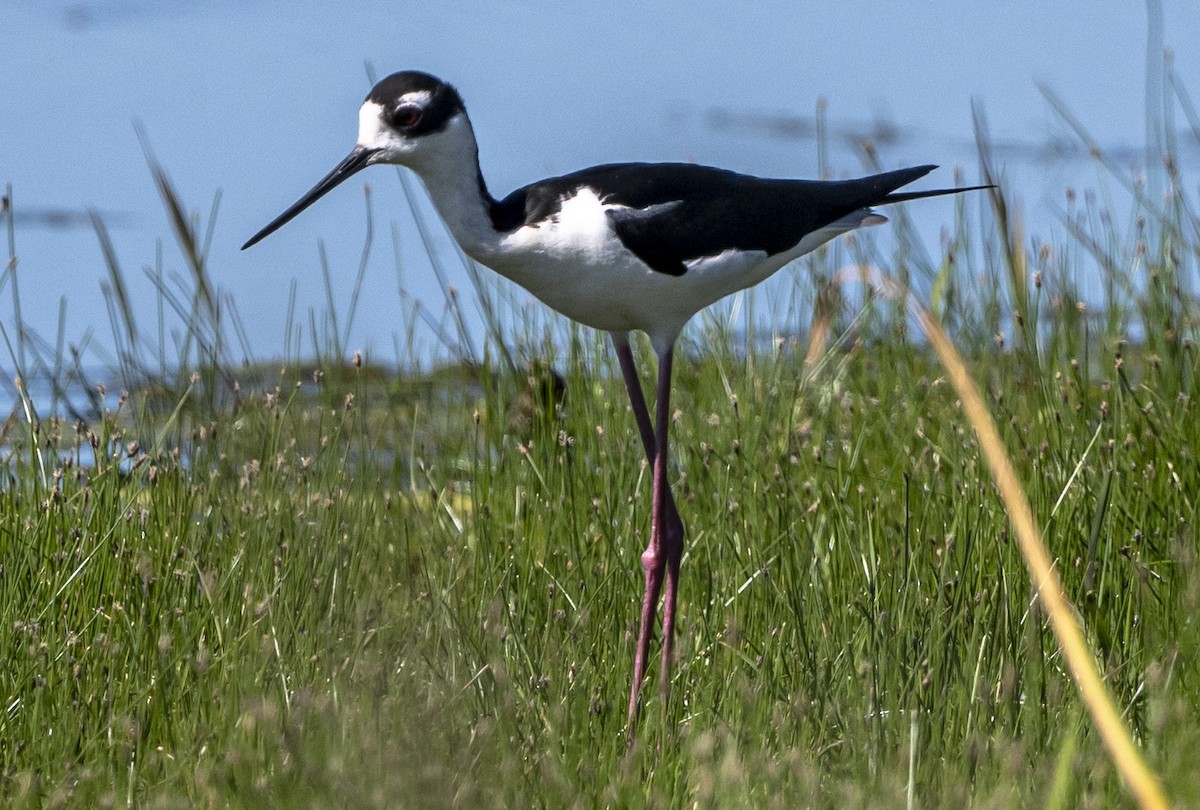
721 211
672 213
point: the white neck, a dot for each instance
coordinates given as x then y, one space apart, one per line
449 167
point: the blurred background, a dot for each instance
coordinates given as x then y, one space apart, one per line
246 104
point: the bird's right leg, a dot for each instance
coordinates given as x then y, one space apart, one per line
655 558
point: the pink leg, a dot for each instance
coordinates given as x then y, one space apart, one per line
669 545
666 529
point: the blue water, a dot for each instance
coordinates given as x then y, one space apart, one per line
257 100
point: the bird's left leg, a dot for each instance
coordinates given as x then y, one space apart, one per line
666 526
641 414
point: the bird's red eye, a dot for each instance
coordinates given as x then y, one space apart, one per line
406 115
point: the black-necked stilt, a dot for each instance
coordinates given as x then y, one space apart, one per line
620 247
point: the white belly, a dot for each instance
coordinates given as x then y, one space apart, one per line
576 265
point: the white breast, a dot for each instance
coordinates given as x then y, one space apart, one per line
575 264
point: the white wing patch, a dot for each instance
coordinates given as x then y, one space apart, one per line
856 219
649 211
727 261
733 261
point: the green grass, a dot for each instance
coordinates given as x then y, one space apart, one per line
358 588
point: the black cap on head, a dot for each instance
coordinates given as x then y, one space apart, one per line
397 91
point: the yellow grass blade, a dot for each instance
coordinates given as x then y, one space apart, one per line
1115 734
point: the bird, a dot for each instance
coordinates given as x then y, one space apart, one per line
620 247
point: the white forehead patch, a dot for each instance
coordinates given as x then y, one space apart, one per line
370 124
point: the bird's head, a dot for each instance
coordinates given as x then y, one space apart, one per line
409 119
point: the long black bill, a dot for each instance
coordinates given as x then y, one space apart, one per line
358 159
